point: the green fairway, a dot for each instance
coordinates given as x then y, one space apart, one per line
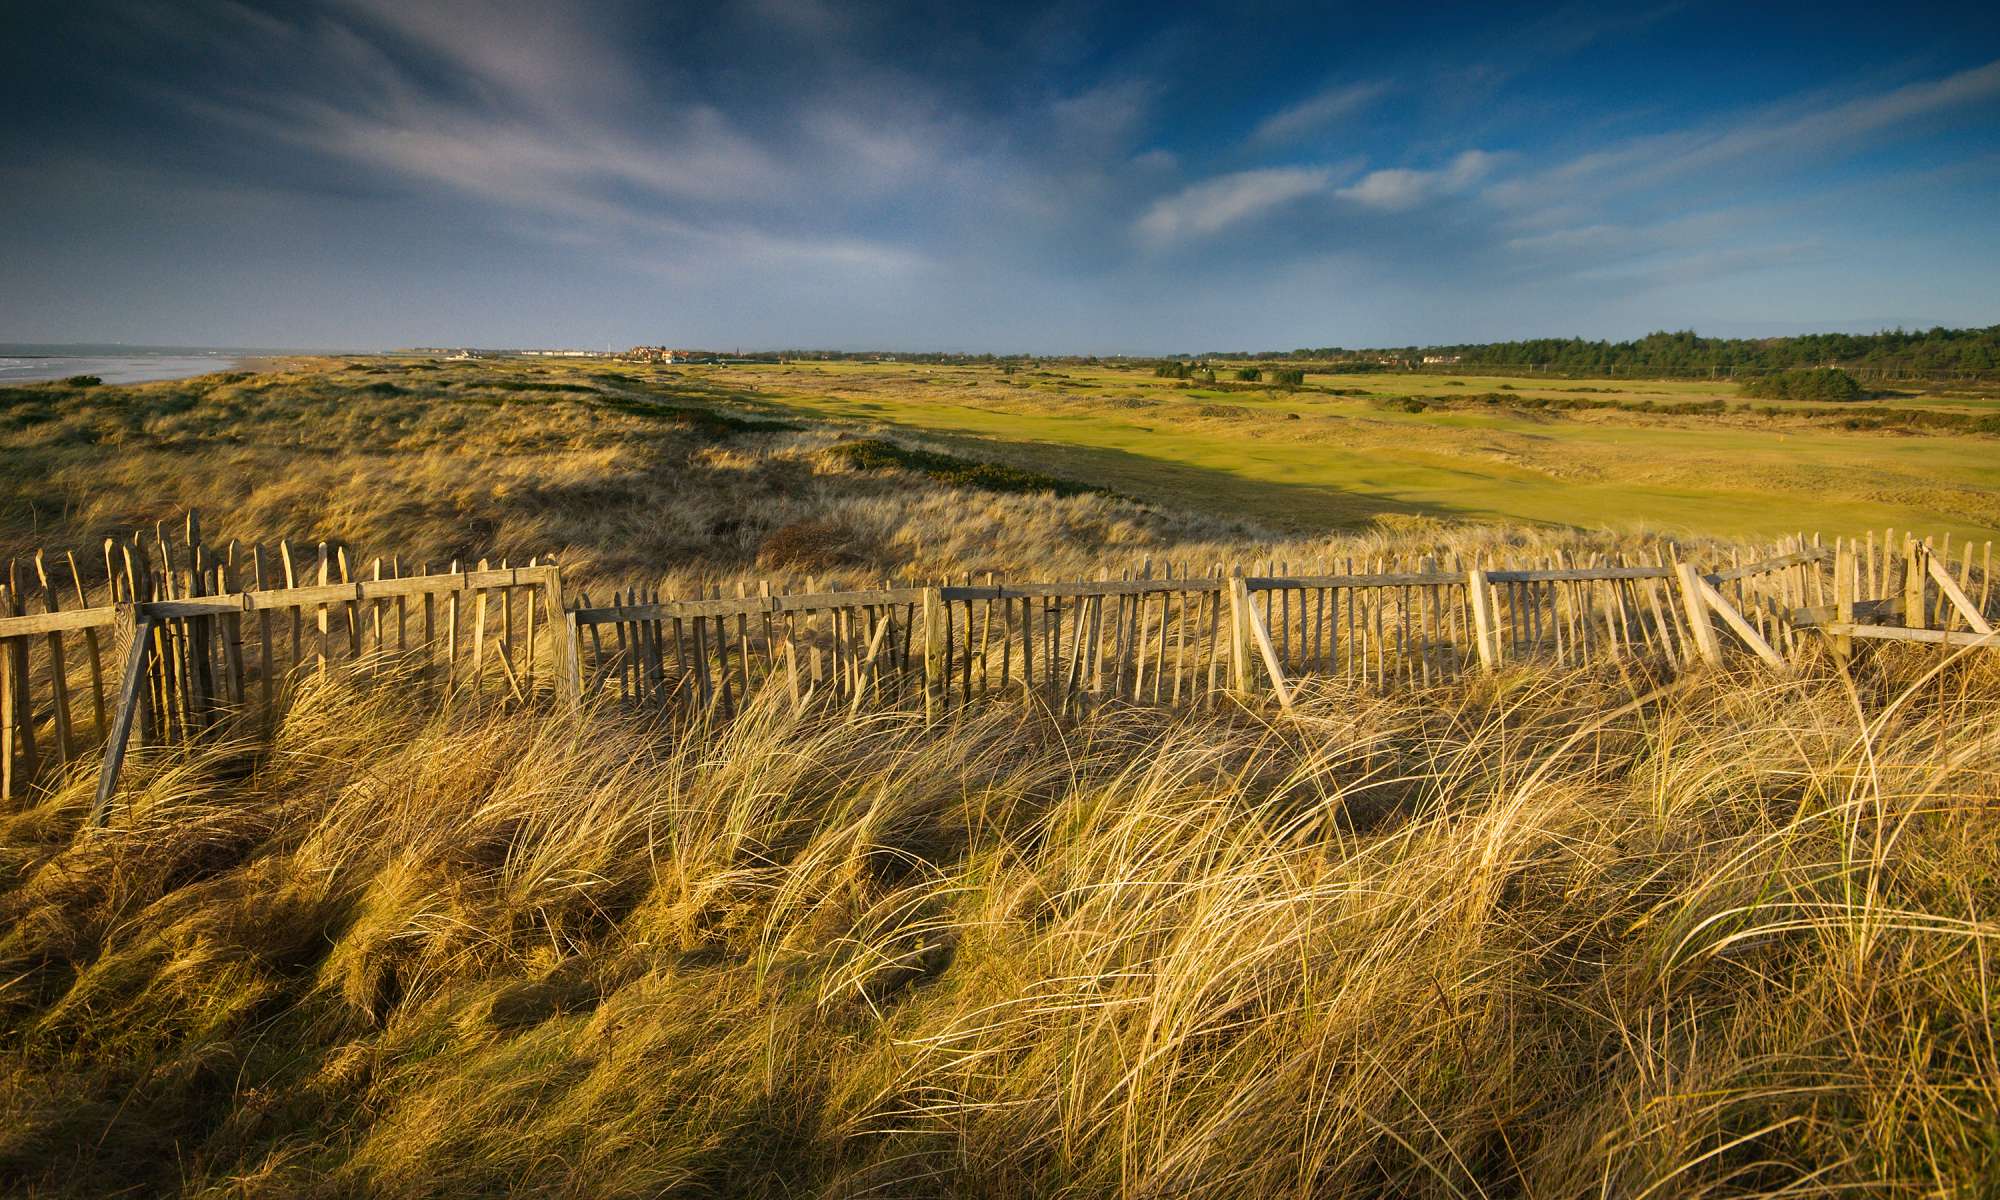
1342 450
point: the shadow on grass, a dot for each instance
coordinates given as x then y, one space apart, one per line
1278 506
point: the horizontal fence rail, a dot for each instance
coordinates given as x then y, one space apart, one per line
171 642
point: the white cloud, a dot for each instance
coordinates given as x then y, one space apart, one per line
1316 112
1396 189
1215 204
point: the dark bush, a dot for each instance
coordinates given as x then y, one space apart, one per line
535 385
873 454
82 381
1249 374
1817 384
1288 377
705 422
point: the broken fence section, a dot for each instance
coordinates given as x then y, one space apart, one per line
170 641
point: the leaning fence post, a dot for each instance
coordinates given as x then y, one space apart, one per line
1272 666
134 636
1700 622
935 664
1485 623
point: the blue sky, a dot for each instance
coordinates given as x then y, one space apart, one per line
1056 178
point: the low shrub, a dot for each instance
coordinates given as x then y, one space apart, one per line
535 385
874 454
1816 383
705 422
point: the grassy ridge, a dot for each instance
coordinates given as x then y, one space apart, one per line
1478 940
630 482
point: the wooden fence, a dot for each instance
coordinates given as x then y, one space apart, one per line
173 642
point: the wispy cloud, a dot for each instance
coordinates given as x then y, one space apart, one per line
1215 204
1397 189
520 52
534 113
1316 112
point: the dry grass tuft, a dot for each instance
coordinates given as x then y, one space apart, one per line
810 546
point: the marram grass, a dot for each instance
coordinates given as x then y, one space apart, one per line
1507 937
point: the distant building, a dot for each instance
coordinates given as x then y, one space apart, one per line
1436 360
658 354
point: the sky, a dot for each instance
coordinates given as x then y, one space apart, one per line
1048 178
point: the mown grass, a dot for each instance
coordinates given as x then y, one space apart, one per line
1669 456
1507 937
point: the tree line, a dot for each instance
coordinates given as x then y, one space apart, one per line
1897 350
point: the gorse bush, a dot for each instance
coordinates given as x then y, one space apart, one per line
874 454
1508 937
1816 384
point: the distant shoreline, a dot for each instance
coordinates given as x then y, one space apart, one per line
119 368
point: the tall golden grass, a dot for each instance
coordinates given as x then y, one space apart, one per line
1512 936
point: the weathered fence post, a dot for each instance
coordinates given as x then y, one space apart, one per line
1843 599
935 662
1916 600
563 633
1239 635
1700 622
1485 622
